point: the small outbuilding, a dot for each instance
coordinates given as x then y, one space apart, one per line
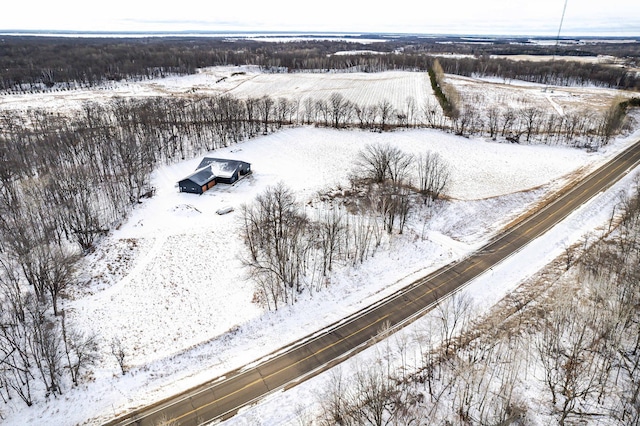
198 182
211 171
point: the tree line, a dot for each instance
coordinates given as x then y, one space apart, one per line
526 124
29 64
532 124
94 165
557 72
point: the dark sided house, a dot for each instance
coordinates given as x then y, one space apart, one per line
211 171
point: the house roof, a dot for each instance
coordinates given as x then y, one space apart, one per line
210 168
201 176
221 167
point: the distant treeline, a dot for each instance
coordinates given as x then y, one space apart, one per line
558 72
42 63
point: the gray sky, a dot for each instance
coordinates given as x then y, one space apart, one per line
525 17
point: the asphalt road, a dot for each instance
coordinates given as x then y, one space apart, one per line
221 398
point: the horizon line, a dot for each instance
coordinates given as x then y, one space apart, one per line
355 34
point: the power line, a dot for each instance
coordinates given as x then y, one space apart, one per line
560 27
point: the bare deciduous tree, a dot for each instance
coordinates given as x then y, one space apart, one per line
120 354
81 351
45 346
493 119
331 235
433 175
454 314
380 162
568 349
385 110
530 117
275 233
265 107
340 110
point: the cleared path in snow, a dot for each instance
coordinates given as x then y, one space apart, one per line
223 397
554 104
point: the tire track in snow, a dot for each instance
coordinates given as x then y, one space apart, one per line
141 264
554 104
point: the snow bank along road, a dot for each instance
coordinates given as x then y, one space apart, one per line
221 398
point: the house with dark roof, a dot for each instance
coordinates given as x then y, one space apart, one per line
211 171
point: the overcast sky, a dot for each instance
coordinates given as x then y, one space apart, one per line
524 17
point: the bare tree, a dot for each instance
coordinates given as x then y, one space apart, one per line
331 235
398 167
334 400
366 115
340 110
411 111
530 116
433 114
78 203
568 351
323 109
371 397
251 113
45 346
120 354
283 108
362 232
385 109
81 351
393 202
433 175
265 107
379 162
15 349
378 396
310 113
275 234
507 120
611 120
493 119
466 121
56 271
454 315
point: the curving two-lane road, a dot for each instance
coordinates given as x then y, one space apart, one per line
220 399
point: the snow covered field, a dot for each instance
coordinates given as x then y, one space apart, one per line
246 81
502 93
169 282
187 283
299 404
363 89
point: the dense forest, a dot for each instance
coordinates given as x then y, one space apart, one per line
42 63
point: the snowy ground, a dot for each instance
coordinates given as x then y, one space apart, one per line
242 82
515 94
599 59
397 87
301 404
188 267
169 284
